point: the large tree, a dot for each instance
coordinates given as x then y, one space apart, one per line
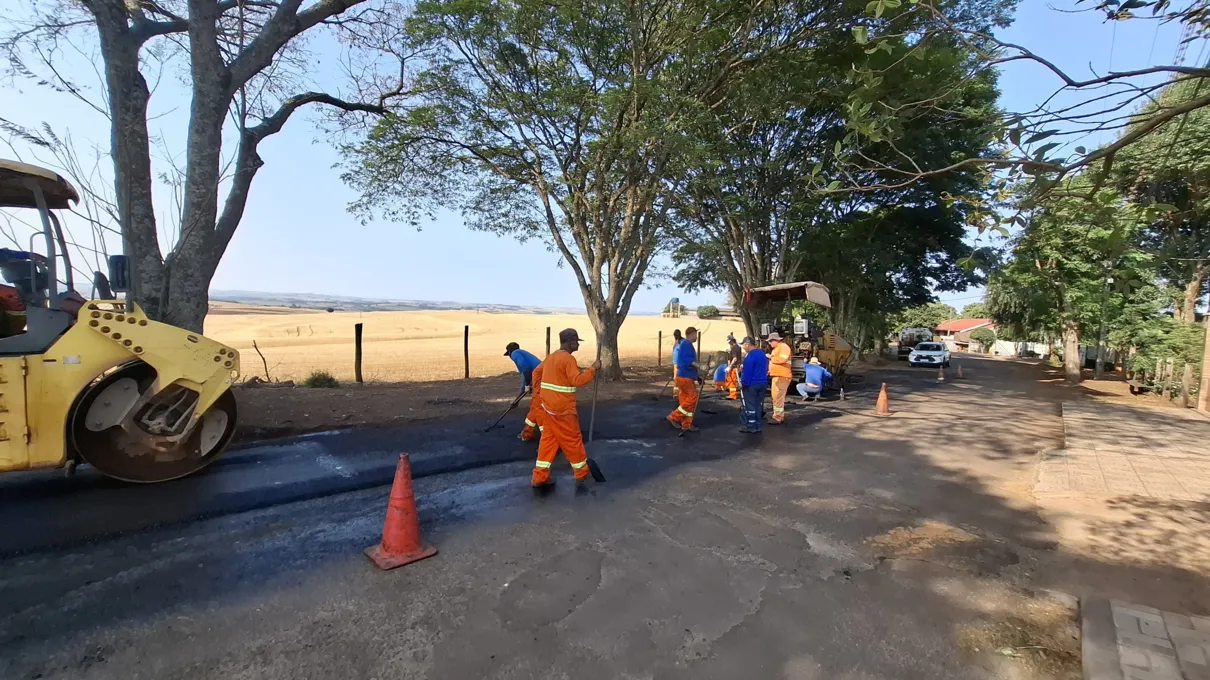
1071 265
1171 167
561 120
245 68
748 215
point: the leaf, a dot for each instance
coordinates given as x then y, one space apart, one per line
1040 152
872 6
834 185
892 3
878 10
1040 136
1014 135
815 170
1133 4
1081 150
861 35
836 148
1163 207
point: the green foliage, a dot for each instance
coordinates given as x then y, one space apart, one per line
321 378
975 310
1170 168
924 316
986 336
707 312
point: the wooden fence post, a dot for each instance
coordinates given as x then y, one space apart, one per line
1168 379
1186 384
659 352
357 352
699 344
466 351
548 341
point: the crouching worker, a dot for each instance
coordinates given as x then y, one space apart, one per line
527 364
814 378
561 378
720 378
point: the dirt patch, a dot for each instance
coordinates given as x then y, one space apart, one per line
1043 641
944 544
269 411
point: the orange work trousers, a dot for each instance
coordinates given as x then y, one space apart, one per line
733 383
780 387
533 419
683 413
560 433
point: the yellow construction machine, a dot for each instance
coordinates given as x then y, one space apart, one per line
96 381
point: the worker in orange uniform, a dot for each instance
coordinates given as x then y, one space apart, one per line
686 379
735 358
561 377
533 419
779 375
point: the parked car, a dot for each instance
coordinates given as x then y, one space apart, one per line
929 354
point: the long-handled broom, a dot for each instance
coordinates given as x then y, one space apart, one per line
593 468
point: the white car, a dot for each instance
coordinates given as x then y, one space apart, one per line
929 354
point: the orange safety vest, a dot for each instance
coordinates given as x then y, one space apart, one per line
561 378
779 362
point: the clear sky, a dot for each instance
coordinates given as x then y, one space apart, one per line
296 235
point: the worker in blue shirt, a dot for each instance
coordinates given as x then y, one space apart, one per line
814 379
676 353
526 363
686 379
754 380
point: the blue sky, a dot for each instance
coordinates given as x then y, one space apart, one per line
296 235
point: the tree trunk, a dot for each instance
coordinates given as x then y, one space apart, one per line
1203 392
1168 380
751 323
1071 352
606 327
1193 291
130 148
1186 384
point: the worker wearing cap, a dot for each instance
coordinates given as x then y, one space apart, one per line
561 377
686 379
755 376
526 364
676 352
734 361
779 376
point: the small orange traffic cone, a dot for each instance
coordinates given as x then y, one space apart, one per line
883 406
959 370
401 533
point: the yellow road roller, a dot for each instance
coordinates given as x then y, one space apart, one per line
96 381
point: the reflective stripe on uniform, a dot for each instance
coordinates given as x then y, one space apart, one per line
578 465
542 464
688 414
779 410
530 423
541 428
559 388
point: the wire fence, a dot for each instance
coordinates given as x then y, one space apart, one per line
398 348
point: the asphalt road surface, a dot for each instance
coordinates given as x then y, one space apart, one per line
839 546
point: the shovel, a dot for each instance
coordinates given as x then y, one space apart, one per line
507 411
593 468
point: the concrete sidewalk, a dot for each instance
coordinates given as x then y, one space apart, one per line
1125 641
1116 450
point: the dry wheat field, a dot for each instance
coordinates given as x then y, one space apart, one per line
425 345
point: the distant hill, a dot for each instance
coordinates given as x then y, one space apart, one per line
359 304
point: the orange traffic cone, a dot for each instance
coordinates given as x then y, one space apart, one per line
883 405
941 373
959 370
401 533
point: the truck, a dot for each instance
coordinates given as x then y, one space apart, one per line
909 338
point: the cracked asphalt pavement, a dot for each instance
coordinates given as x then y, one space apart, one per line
840 546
